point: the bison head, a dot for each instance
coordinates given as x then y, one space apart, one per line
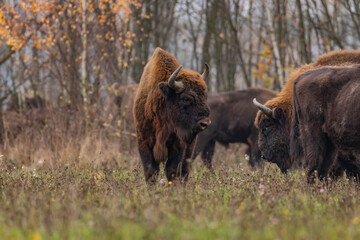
186 102
274 136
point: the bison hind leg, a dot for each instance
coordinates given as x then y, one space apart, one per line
320 153
328 159
337 170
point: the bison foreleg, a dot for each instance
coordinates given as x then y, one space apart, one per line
151 168
176 166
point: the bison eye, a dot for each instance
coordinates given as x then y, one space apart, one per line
185 100
264 130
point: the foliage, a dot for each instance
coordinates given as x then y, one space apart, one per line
48 34
265 65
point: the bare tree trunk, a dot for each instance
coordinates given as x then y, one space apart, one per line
259 44
331 29
318 31
83 65
303 48
142 29
18 75
238 45
249 70
210 20
309 30
194 33
355 16
275 45
19 78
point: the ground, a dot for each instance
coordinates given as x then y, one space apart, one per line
92 201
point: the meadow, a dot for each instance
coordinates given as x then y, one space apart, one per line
104 196
69 167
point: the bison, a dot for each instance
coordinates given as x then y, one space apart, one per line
232 121
326 103
170 110
274 119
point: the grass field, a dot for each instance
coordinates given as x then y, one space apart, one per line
94 201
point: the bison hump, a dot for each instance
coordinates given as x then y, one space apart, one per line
161 65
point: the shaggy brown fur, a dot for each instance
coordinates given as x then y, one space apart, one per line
165 135
282 106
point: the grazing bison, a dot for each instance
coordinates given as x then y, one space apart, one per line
274 119
326 107
232 121
170 110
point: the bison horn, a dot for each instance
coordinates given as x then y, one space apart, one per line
176 85
205 74
262 108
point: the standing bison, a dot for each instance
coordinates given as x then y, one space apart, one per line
232 121
274 119
170 110
326 107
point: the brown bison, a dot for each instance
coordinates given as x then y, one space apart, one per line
232 121
274 119
326 107
170 110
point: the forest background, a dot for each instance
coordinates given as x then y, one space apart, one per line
71 51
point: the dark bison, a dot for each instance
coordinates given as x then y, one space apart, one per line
232 121
326 107
274 119
170 110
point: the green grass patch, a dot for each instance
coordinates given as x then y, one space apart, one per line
91 202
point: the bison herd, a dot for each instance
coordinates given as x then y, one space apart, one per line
313 123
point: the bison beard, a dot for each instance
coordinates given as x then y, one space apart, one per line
326 101
170 110
274 140
279 135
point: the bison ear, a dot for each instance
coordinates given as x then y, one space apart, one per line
279 114
164 89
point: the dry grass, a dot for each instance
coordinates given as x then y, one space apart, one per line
57 185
